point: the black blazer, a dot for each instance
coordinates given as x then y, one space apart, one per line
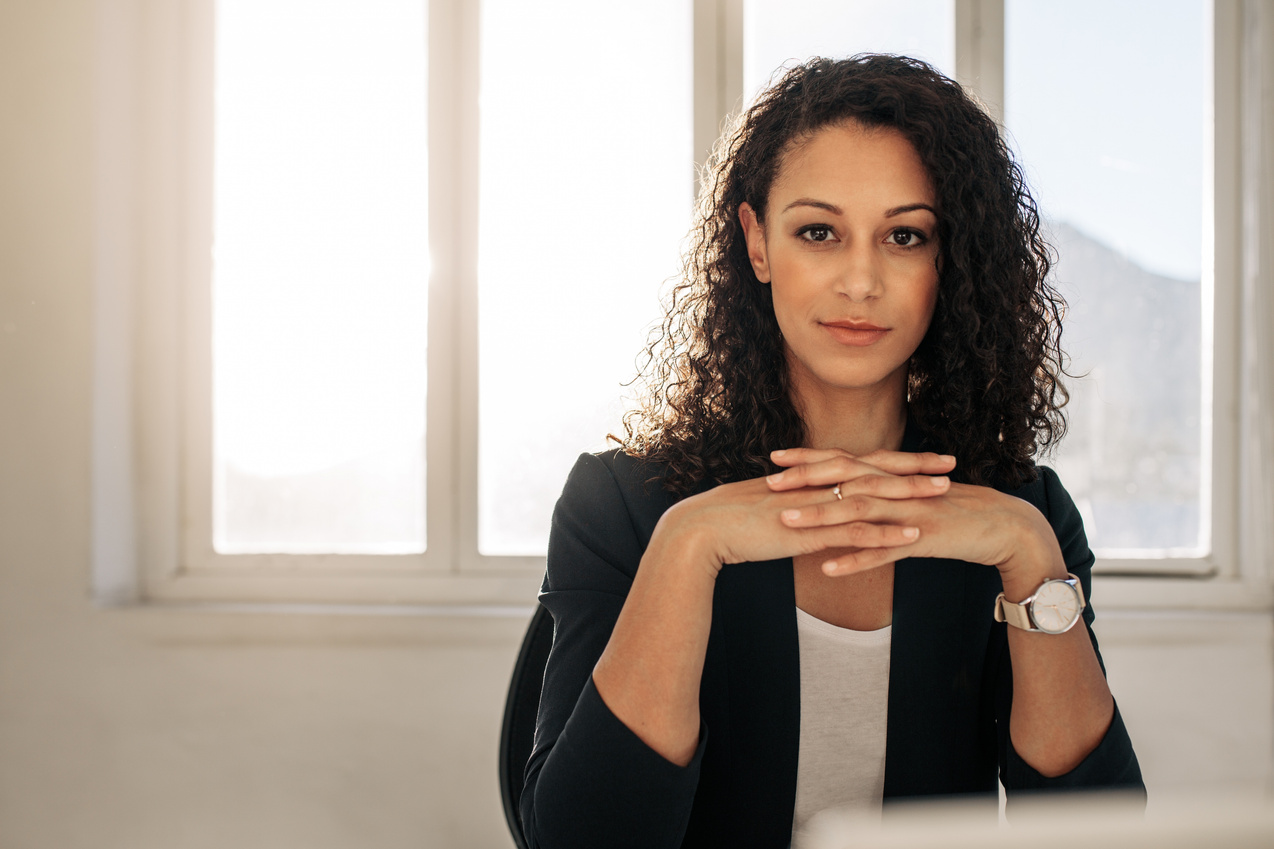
591 782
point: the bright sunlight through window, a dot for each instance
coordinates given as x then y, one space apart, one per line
320 275
585 198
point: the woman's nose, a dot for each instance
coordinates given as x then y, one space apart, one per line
860 275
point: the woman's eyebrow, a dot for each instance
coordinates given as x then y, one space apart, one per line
836 210
910 207
817 204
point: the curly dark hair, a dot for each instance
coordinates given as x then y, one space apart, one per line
985 382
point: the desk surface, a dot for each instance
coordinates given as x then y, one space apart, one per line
1063 822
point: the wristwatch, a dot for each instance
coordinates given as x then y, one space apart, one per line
1053 609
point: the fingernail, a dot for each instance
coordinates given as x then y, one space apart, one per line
911 533
829 568
791 515
939 481
778 453
774 478
947 458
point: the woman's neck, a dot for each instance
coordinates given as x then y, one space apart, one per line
858 421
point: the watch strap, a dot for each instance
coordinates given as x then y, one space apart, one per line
1014 613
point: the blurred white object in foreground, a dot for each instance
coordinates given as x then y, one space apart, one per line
1097 821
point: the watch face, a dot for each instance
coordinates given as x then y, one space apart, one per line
1056 607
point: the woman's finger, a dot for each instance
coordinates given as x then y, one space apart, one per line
826 472
809 467
872 535
856 507
909 462
856 535
800 456
863 560
893 487
893 462
855 476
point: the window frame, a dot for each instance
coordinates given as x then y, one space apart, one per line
152 428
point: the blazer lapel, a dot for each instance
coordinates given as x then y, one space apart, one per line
756 608
940 738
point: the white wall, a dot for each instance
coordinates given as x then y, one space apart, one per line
146 728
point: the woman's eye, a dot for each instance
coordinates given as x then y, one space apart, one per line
816 233
906 238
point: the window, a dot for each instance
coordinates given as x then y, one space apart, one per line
491 283
1121 182
320 270
585 156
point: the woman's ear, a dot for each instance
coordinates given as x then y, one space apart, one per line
755 235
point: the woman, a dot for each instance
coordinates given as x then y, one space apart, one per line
782 594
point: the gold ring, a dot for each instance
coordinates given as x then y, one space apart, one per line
836 492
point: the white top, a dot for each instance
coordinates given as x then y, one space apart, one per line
844 707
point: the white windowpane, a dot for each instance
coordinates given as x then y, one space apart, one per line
320 272
1109 107
586 182
777 33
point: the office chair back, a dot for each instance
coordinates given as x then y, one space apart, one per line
520 708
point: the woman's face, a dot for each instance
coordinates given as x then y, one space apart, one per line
850 250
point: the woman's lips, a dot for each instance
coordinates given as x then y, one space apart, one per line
856 334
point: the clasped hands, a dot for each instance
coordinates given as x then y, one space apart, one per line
892 505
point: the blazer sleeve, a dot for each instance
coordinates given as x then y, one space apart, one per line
1113 764
590 781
